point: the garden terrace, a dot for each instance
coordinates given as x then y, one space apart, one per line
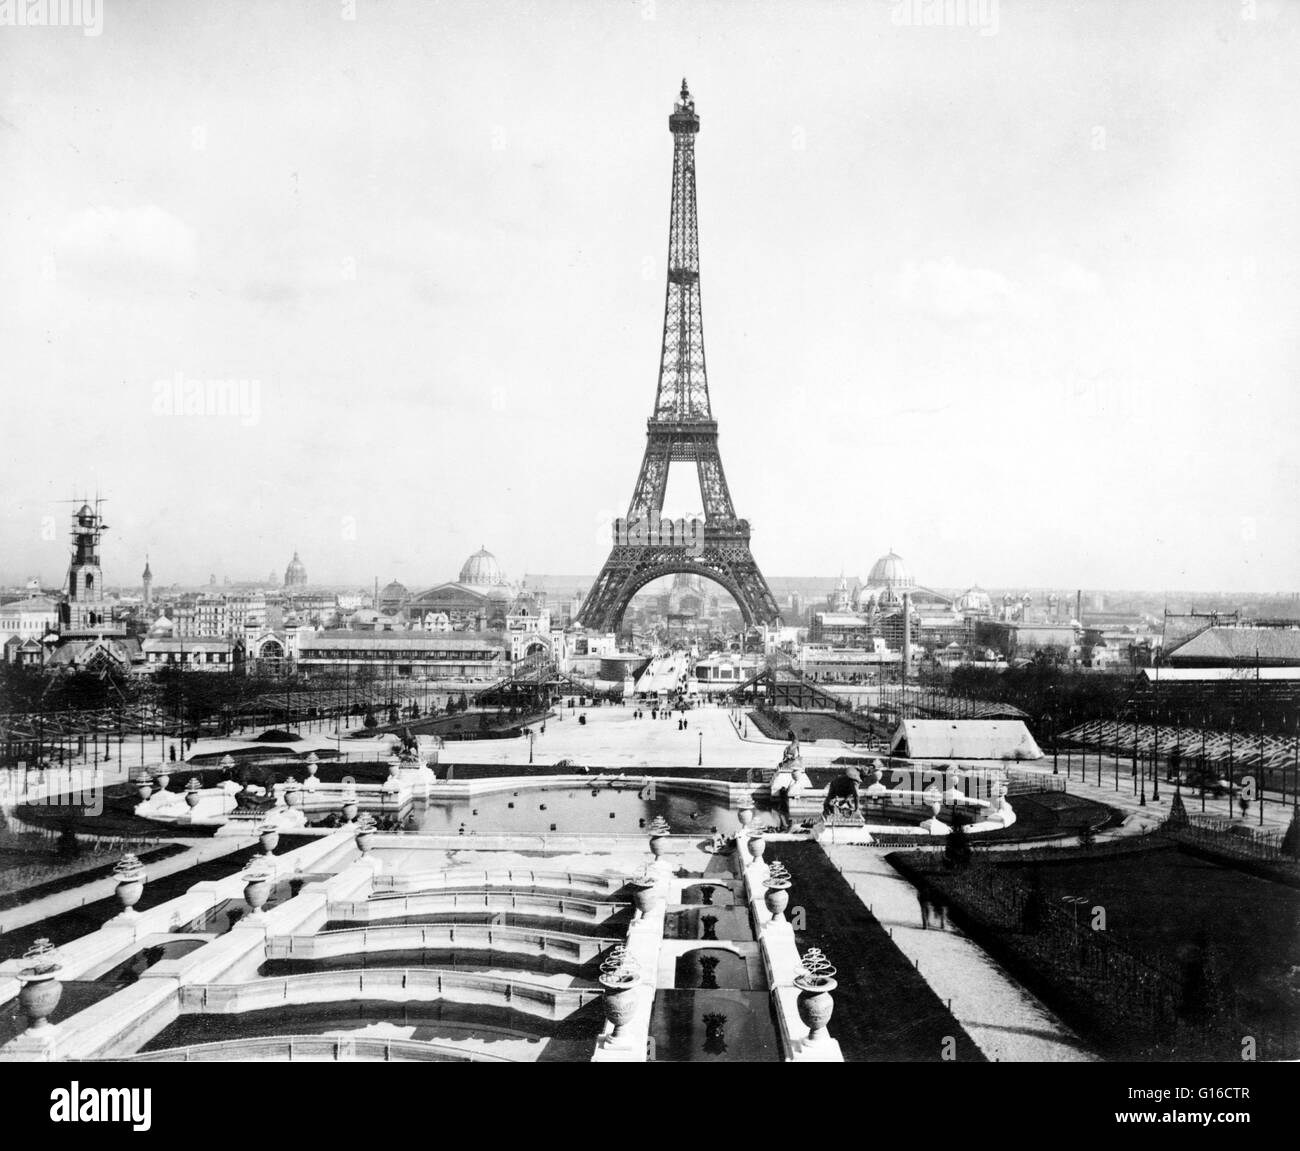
885 1011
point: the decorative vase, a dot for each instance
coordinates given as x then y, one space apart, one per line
815 1005
657 845
777 899
39 995
144 789
619 1003
644 897
746 816
128 894
757 845
365 839
162 779
394 770
350 810
192 797
312 767
256 892
293 796
268 839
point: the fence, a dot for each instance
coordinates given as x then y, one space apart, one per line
1146 993
1224 837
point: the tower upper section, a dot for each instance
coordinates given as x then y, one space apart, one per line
683 393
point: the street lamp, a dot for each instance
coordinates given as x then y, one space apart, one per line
701 735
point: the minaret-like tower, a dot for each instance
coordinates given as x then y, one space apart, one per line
681 429
147 579
85 607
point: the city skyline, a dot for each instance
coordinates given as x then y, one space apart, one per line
1061 358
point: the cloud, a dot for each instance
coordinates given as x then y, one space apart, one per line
952 291
1075 279
128 240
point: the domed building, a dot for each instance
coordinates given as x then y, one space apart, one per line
975 601
393 598
295 575
482 570
888 579
478 601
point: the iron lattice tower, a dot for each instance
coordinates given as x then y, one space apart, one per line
680 430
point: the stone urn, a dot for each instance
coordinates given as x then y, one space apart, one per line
268 837
312 765
815 1006
192 789
40 987
257 890
815 984
644 893
350 809
144 789
394 769
292 795
365 834
757 845
746 816
130 875
620 1000
776 895
162 779
777 899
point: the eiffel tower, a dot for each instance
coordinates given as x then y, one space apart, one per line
681 430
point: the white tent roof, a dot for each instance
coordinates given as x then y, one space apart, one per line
964 739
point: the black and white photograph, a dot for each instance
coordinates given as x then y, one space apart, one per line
418 648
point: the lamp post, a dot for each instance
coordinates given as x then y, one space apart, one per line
701 760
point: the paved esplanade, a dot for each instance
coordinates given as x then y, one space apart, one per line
612 737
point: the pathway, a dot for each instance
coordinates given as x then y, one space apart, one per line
1006 1022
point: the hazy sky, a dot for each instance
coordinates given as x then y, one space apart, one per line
1019 301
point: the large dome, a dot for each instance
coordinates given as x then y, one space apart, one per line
482 570
295 575
889 571
975 600
393 598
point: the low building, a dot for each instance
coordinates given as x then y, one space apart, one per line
404 653
828 664
1241 647
28 618
211 654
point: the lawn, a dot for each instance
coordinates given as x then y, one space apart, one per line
885 1011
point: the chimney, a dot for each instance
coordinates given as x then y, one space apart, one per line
907 634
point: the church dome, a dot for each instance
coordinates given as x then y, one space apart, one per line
482 570
889 571
295 575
